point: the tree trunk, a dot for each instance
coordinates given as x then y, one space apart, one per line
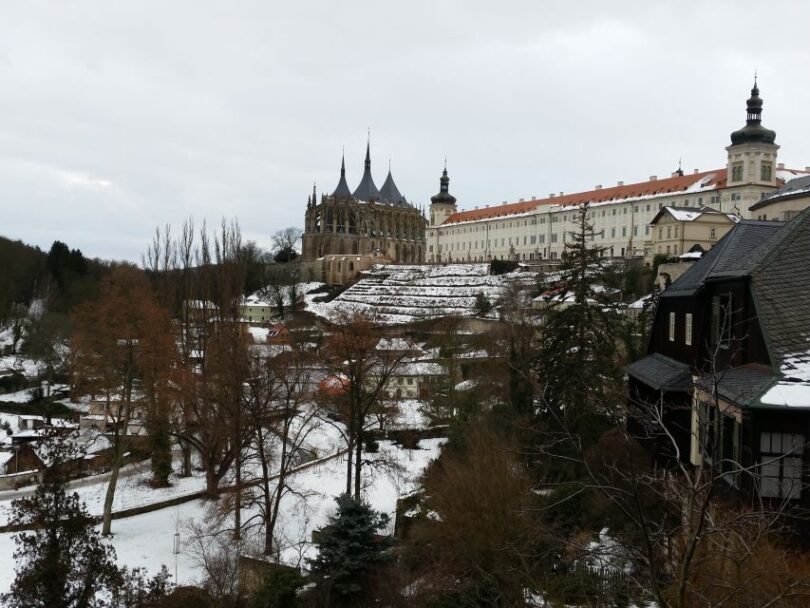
211 481
106 526
358 462
185 449
349 457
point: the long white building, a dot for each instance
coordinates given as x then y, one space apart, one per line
537 228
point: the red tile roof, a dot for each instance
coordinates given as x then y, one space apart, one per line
661 187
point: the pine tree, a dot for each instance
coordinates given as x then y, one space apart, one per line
61 562
61 559
348 549
578 362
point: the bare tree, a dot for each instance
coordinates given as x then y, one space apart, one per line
123 352
359 376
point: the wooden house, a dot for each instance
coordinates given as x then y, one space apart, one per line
728 362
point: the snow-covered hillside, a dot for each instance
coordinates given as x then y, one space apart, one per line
403 294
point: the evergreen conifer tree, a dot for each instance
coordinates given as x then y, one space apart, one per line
348 549
61 562
578 362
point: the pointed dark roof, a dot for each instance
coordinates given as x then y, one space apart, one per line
753 131
444 195
366 190
727 255
390 194
342 190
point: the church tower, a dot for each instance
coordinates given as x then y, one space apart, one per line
752 153
443 204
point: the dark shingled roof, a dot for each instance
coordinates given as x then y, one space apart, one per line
745 384
780 284
366 190
724 258
775 256
342 190
389 193
792 189
662 373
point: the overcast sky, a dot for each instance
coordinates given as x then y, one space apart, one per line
118 116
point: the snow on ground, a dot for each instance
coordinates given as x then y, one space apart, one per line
403 294
148 540
410 415
29 368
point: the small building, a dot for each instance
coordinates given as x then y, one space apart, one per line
19 459
255 309
413 379
677 230
728 363
786 203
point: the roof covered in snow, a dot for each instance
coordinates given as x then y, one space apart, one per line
795 188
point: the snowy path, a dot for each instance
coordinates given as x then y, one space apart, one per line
147 540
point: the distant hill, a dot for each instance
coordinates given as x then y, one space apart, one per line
62 276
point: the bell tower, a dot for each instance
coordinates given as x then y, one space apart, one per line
443 204
752 153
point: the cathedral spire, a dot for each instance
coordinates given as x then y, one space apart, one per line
342 190
366 190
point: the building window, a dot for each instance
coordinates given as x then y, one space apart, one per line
672 327
713 233
553 238
736 172
688 330
766 172
780 465
669 232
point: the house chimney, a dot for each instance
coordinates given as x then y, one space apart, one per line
520 200
598 187
621 183
807 169
697 171
551 195
653 178
486 206
780 166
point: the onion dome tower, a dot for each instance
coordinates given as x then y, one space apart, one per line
753 131
443 204
366 190
752 153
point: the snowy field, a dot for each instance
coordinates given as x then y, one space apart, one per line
148 540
